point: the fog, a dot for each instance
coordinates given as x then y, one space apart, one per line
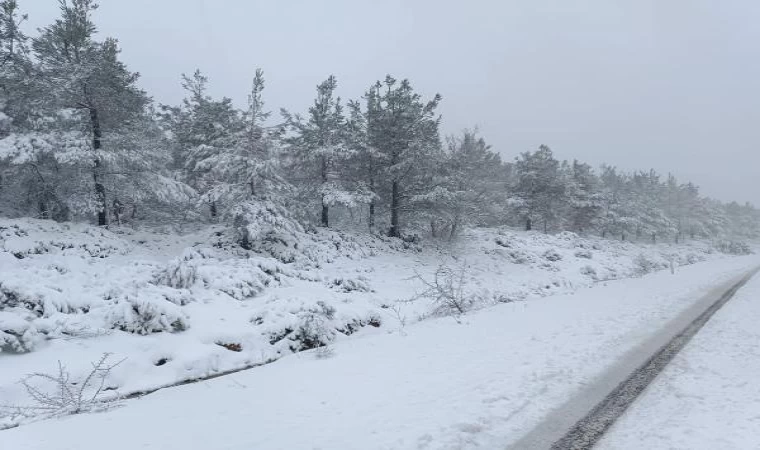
638 84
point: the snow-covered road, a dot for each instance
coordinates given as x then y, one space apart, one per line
709 396
482 383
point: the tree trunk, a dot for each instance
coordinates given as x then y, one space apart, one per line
395 230
528 224
325 208
654 238
371 216
325 213
545 226
454 228
100 188
44 210
371 219
212 208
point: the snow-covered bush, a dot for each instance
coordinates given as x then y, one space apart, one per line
180 273
359 284
313 328
644 265
733 247
37 237
552 255
27 315
589 271
584 253
259 222
240 278
147 314
17 332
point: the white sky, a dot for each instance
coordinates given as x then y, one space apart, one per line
672 85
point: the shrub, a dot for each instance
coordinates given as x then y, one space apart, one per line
58 394
552 255
643 265
446 290
733 247
359 284
146 315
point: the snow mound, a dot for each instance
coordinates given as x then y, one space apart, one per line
185 307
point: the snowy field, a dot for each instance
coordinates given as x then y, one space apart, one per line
178 308
480 382
709 396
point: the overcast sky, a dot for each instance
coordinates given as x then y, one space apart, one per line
673 85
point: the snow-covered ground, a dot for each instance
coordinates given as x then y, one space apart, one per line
480 382
709 396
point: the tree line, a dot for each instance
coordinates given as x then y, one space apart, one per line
79 140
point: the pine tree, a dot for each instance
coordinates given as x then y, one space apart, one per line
466 187
206 136
318 145
404 130
86 76
539 187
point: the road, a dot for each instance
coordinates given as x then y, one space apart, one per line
582 421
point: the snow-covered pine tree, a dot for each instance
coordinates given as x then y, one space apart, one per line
539 187
468 184
205 134
404 130
84 76
584 202
320 153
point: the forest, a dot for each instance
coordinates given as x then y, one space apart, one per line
81 141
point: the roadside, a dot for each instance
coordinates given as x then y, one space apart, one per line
709 396
481 383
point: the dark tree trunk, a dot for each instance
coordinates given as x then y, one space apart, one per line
97 176
528 224
325 208
44 210
454 228
371 215
545 227
325 213
654 238
371 218
212 208
395 231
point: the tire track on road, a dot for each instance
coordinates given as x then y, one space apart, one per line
581 422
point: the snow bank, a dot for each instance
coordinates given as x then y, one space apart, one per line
184 307
481 382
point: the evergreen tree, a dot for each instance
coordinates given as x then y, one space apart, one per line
85 76
320 151
466 187
205 133
539 188
404 131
